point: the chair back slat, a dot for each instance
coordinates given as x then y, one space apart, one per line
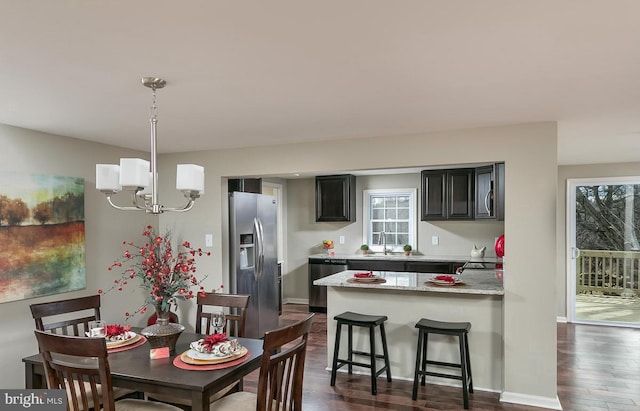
80 366
234 305
66 317
282 367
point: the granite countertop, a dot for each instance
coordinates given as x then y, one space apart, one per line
474 282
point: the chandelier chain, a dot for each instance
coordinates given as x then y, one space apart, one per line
153 110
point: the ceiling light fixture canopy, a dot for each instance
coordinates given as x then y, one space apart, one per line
140 177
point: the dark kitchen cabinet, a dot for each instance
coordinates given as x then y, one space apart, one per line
489 192
447 194
245 185
336 198
429 267
434 185
437 267
376 265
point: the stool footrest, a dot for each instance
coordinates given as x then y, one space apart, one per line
439 374
359 364
367 354
444 364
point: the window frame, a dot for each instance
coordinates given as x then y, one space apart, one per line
367 237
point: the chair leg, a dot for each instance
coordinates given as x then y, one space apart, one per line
468 361
425 340
385 351
463 368
334 366
416 373
350 357
372 342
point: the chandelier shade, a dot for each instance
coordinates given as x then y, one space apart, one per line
140 177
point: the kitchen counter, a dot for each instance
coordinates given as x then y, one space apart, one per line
405 298
475 282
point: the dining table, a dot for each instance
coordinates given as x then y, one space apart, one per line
133 369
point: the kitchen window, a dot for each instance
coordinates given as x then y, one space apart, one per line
389 214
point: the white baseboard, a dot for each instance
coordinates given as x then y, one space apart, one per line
562 320
531 400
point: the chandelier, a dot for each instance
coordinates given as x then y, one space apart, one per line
140 177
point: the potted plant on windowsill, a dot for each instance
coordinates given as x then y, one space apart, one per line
364 248
407 249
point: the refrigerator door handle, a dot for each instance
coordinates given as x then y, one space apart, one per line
259 247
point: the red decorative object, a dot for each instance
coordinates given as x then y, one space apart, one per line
166 274
500 246
115 330
213 339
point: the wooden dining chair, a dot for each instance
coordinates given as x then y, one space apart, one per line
234 305
66 317
235 308
80 366
70 317
281 373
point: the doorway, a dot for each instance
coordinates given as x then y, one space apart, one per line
603 253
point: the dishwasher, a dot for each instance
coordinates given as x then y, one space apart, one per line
318 268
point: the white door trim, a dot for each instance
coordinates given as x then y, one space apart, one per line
572 183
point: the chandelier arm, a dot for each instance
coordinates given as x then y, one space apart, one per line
135 207
186 207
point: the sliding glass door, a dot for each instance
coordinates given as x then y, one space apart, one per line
603 253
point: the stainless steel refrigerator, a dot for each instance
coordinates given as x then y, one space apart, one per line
254 258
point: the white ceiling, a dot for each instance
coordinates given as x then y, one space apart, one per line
255 72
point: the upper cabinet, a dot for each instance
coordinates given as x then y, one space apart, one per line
447 194
463 193
336 198
489 195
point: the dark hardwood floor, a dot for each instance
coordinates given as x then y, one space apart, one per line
598 369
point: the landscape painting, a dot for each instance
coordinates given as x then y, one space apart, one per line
42 235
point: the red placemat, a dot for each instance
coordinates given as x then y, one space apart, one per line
181 364
136 344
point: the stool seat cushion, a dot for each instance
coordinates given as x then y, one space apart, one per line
443 326
349 317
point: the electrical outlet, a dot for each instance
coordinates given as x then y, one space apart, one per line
208 240
341 239
435 240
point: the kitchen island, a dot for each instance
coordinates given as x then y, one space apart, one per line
405 298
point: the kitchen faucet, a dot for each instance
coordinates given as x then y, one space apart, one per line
383 239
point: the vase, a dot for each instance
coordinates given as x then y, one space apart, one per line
163 333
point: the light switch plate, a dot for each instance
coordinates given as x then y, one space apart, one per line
208 240
341 239
435 240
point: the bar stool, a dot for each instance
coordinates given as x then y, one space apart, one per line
460 330
371 322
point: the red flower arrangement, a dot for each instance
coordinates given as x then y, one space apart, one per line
166 276
210 340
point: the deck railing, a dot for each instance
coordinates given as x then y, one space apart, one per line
608 273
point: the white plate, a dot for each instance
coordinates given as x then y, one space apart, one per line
127 336
196 355
442 282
